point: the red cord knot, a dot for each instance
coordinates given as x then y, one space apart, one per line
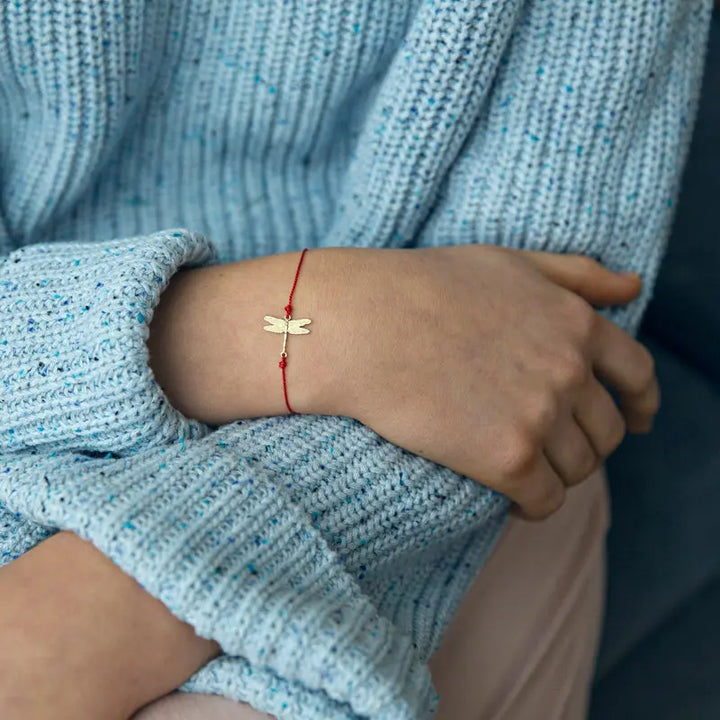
288 310
282 364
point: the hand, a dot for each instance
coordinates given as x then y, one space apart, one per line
80 640
487 361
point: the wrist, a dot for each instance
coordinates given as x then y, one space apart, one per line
207 348
210 355
324 374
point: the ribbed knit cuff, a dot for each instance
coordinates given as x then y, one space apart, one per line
325 565
73 356
18 535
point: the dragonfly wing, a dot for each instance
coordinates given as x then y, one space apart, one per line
295 327
277 325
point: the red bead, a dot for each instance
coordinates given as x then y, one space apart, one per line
282 363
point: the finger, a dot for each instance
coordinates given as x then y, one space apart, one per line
642 423
586 277
538 491
570 452
630 369
600 419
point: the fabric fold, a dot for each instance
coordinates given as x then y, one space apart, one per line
73 356
316 604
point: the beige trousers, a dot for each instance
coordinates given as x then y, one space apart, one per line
523 644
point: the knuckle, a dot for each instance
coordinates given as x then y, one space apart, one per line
573 370
541 415
517 456
616 434
586 464
644 371
551 500
647 367
581 316
575 306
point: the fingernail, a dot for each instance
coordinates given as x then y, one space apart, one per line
628 274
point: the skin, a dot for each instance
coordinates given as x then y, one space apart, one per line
401 340
405 352
88 643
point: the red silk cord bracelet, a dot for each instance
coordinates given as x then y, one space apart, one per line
288 326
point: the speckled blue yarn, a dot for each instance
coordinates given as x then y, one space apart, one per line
326 561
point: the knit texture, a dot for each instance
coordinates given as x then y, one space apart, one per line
326 561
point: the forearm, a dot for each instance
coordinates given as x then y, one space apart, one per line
208 350
117 647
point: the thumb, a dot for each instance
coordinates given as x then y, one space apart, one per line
586 277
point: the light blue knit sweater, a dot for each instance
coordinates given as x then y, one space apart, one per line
324 560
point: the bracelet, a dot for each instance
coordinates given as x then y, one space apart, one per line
288 326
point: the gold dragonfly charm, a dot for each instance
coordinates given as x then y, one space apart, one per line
286 326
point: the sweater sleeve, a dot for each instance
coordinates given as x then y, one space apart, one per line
73 357
325 561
